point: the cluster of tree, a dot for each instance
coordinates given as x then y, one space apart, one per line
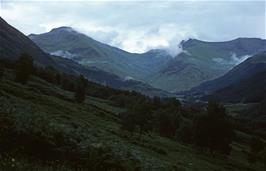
75 84
209 129
213 130
157 115
24 69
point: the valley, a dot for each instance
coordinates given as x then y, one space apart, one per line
69 102
198 61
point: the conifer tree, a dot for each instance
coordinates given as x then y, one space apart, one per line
24 68
80 93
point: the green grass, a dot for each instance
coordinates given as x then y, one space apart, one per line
46 110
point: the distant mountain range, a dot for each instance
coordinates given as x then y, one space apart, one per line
246 82
14 43
198 62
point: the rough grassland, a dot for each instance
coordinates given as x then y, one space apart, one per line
44 109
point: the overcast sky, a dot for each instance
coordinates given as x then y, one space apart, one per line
141 25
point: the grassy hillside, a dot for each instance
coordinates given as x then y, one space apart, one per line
42 128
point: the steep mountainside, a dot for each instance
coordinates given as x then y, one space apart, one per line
246 80
200 61
108 79
13 43
67 42
249 90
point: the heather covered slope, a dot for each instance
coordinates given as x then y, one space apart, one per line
56 133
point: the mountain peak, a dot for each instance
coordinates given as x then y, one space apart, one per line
63 29
155 51
189 42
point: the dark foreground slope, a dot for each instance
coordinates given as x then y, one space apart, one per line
55 133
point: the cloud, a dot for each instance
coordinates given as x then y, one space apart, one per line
233 60
141 26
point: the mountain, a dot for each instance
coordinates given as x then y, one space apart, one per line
66 42
245 82
201 61
249 90
198 62
108 79
13 43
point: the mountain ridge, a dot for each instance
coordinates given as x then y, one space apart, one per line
14 43
245 82
199 61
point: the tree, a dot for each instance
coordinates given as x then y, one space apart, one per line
185 132
24 68
2 72
80 93
142 114
58 78
213 130
169 117
168 122
156 102
67 83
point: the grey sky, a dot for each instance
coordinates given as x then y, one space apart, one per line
141 25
